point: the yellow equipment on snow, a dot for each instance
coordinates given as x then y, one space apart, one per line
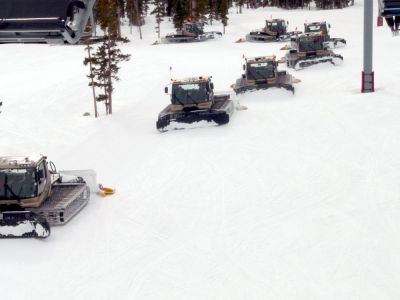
105 191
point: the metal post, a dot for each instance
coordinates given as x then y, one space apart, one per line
93 24
367 85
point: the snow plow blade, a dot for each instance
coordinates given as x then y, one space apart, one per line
219 114
262 86
307 62
176 38
338 42
89 176
23 224
335 43
284 81
260 36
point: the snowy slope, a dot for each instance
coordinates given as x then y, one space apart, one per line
296 198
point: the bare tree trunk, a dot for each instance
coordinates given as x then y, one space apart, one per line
109 94
92 81
109 80
119 22
135 3
105 93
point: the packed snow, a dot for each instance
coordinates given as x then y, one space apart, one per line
298 197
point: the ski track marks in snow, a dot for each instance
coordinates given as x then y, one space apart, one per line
295 198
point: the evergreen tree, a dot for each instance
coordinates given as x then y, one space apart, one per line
159 12
223 11
90 60
239 4
329 4
108 15
104 68
135 11
212 10
170 6
181 12
104 63
200 10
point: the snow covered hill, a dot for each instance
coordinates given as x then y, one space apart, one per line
298 197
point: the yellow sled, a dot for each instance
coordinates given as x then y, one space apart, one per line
105 191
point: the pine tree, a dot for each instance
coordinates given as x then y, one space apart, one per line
181 12
108 15
327 4
223 11
90 60
134 15
212 10
104 63
135 11
200 10
239 4
159 12
104 68
170 6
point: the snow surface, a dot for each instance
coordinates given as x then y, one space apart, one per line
296 198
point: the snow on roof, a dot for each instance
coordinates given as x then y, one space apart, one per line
316 22
191 79
260 58
20 161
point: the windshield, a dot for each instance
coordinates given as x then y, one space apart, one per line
195 28
17 184
310 43
258 71
316 28
276 26
190 93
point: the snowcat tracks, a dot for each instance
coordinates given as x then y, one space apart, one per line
23 224
66 201
219 114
